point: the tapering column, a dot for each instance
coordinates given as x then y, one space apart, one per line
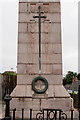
37 90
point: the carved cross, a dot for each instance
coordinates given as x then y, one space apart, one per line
39 36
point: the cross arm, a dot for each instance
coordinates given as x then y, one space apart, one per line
43 16
35 16
38 16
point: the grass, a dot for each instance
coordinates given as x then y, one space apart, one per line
11 73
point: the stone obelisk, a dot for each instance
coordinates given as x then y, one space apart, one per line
39 80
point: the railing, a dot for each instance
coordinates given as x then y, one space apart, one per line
40 115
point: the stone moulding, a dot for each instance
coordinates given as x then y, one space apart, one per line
39 1
25 91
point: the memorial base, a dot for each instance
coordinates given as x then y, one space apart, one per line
21 99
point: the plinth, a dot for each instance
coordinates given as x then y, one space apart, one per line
37 89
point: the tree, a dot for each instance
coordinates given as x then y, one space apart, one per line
68 78
64 81
78 76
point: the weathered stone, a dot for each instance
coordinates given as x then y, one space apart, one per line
34 48
33 27
23 7
55 7
19 91
58 103
27 69
45 38
28 48
53 79
40 96
58 90
45 103
32 7
46 69
29 91
28 38
45 7
22 27
36 104
51 38
20 103
47 27
57 48
26 17
23 17
25 103
53 18
48 48
51 90
57 69
28 58
33 69
25 79
51 58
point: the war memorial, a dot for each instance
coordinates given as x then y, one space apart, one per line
39 81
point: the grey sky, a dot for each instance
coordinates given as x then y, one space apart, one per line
9 33
70 35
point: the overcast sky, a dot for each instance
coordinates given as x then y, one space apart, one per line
9 33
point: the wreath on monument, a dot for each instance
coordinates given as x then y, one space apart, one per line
38 90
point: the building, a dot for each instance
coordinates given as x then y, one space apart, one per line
73 87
